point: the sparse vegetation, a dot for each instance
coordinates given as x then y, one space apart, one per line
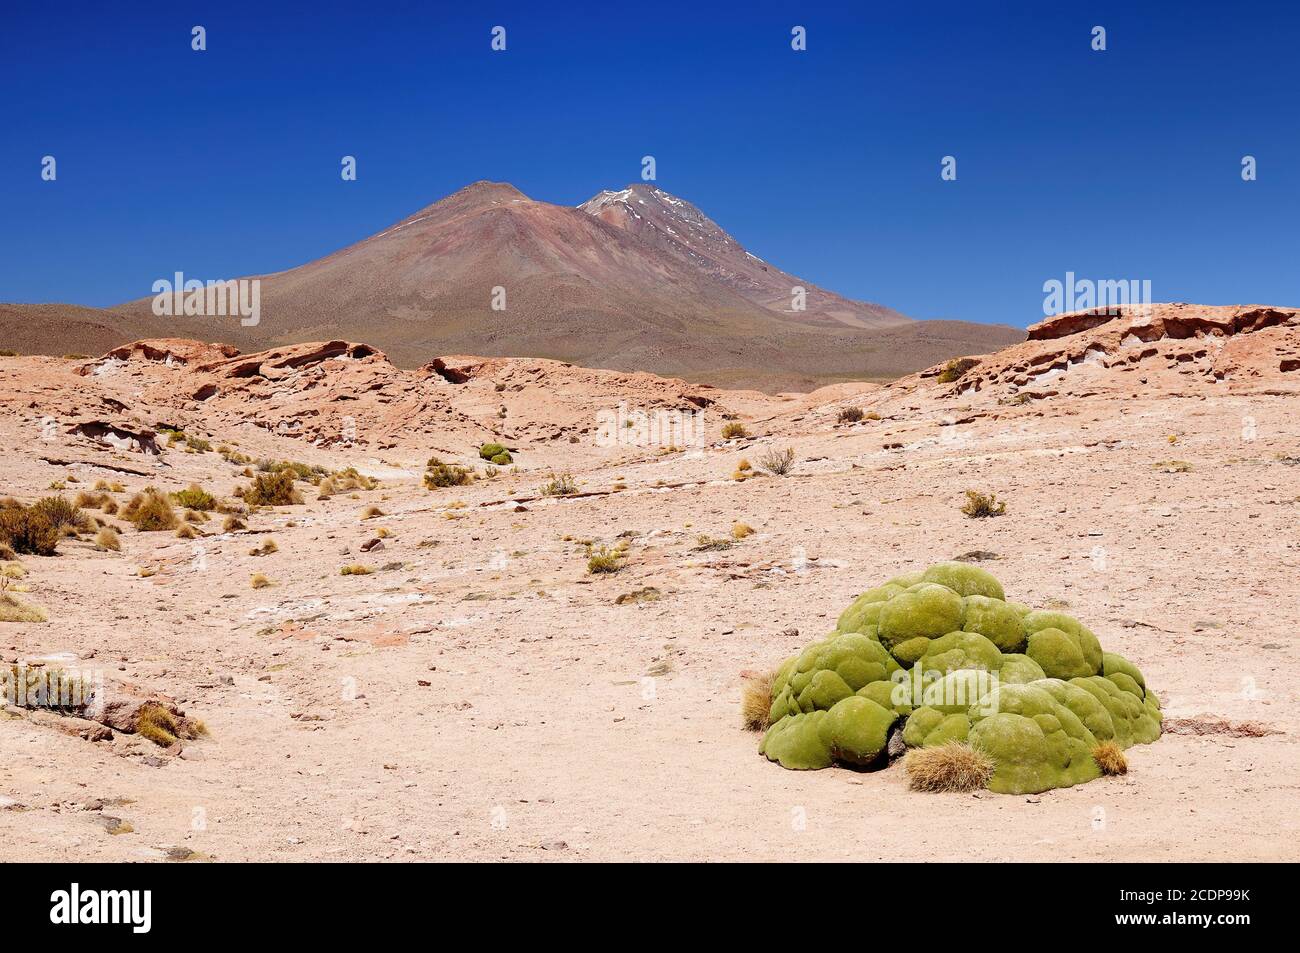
107 539
14 609
561 485
439 474
741 530
150 511
345 481
65 515
275 488
777 462
186 531
734 430
194 497
955 368
980 505
258 581
1110 758
232 523
603 560
1173 466
372 512
91 501
954 766
266 549
26 530
708 544
164 728
307 472
356 569
756 700
849 415
495 453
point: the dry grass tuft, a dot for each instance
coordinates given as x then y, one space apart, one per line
981 505
150 511
955 766
259 581
13 609
266 549
756 699
273 489
372 512
107 539
741 530
164 728
25 529
356 569
232 523
186 531
1110 758
734 430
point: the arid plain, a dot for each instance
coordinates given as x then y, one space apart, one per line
480 695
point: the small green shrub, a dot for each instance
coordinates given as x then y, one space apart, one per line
194 497
495 453
955 368
603 560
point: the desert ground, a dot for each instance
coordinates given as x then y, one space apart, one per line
481 696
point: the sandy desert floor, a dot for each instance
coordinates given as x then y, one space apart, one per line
480 696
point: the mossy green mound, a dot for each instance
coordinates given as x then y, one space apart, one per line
943 655
495 453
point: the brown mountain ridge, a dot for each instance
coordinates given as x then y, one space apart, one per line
630 280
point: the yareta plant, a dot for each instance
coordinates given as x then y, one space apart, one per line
942 656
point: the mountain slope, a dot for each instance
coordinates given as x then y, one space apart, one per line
576 288
681 230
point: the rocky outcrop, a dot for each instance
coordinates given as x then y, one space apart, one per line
1171 348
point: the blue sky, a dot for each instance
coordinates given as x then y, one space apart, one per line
1117 165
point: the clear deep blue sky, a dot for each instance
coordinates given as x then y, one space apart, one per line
1122 164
